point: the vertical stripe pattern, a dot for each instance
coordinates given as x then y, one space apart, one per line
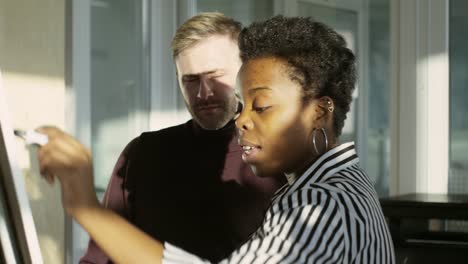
330 214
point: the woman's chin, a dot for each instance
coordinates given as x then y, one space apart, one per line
263 172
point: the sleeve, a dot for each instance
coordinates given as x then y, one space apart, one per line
115 198
310 233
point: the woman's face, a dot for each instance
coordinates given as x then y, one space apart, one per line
276 124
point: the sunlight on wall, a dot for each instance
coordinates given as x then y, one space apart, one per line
35 100
32 59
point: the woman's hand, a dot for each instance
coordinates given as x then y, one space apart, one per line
68 160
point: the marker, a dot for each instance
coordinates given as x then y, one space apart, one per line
32 137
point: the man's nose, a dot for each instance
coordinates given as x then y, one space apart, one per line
205 90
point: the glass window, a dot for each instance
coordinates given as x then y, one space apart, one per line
458 69
245 11
458 54
119 101
119 92
378 114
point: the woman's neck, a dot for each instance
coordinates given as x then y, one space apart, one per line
303 166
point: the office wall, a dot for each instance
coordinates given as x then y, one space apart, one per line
32 48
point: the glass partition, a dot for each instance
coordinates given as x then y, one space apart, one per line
458 54
245 11
119 97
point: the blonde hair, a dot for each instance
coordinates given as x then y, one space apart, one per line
201 26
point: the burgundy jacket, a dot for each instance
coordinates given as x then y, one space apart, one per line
187 186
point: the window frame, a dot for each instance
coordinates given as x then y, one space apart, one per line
420 97
77 96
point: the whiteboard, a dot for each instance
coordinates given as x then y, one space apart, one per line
18 236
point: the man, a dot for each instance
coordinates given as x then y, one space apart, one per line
167 182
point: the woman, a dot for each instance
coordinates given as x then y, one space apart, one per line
297 79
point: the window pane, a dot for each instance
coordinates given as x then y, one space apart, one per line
119 93
458 39
378 114
119 106
245 11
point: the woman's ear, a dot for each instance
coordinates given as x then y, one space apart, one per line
326 104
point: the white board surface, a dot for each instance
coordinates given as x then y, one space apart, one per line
17 227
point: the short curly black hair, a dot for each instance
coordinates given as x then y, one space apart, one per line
319 59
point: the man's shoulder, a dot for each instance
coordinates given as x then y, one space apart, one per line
168 132
155 149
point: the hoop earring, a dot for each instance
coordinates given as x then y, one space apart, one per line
314 134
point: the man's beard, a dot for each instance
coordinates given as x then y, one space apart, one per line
225 112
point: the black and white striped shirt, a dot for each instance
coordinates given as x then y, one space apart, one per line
330 214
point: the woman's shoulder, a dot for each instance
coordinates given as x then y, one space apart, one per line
352 181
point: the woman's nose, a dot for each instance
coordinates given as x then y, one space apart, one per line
243 123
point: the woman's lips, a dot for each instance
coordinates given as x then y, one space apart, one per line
249 152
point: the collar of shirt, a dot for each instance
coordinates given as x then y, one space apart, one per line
331 162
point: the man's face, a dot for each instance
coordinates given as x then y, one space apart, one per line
207 76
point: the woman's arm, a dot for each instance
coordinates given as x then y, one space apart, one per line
115 199
120 240
65 158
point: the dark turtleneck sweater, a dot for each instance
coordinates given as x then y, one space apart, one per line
188 186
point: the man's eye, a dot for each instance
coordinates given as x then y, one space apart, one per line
216 76
260 109
189 80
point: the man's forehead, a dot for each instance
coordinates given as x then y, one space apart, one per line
211 54
196 65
